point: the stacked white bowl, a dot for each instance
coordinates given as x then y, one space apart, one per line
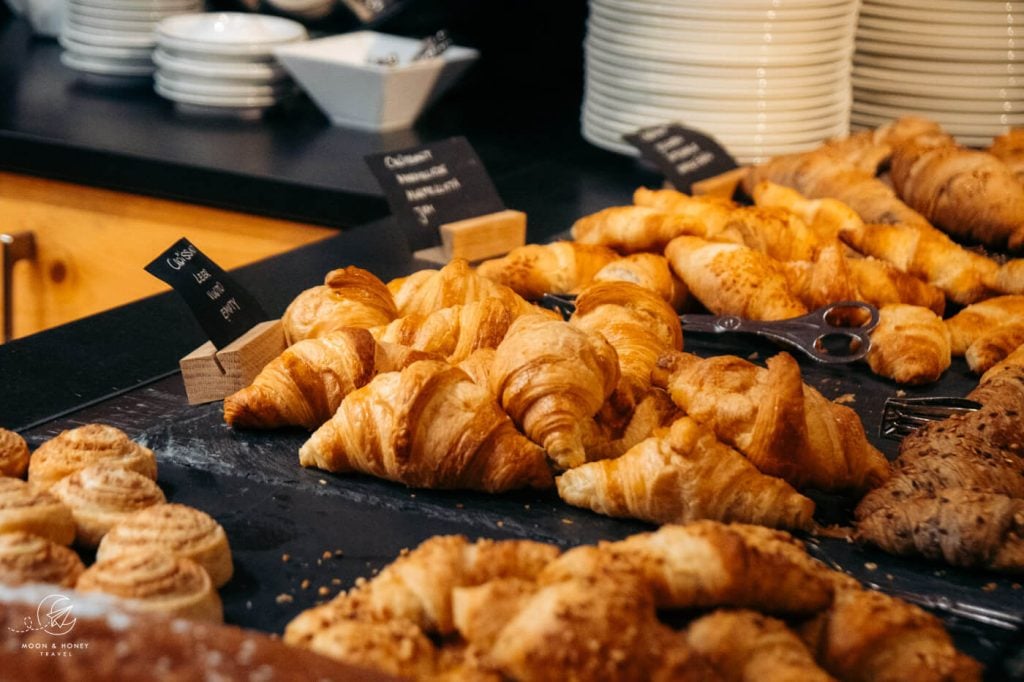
954 61
764 77
114 39
223 62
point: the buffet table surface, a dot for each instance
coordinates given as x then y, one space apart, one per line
299 536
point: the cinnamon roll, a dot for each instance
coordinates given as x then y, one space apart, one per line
76 449
102 495
23 508
156 581
176 528
13 454
27 558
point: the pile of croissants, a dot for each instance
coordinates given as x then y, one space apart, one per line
745 603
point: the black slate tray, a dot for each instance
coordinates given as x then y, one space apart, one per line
299 536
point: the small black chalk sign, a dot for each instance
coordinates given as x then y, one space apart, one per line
683 155
434 184
224 310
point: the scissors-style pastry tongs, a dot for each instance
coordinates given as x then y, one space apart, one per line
837 333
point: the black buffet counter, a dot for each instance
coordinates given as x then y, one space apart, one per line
120 367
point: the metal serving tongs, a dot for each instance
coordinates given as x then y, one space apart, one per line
837 333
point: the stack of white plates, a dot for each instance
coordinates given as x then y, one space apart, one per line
954 61
764 77
115 38
223 62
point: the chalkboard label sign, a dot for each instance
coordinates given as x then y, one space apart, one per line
683 155
434 184
224 310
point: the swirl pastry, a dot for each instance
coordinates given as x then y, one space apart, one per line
102 495
184 531
23 508
90 444
155 581
13 454
27 558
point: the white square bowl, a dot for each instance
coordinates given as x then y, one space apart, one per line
340 77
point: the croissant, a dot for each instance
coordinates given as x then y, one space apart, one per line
683 474
1009 148
306 383
707 564
746 646
477 366
456 283
551 378
868 636
707 215
615 431
910 345
967 193
629 229
995 346
730 279
930 255
650 271
638 324
558 268
827 279
880 283
452 333
786 428
982 318
428 426
417 587
1008 277
349 297
826 217
394 647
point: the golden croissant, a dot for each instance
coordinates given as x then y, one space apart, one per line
650 271
982 318
1009 148
683 474
552 377
349 297
910 345
731 279
561 267
826 279
306 383
994 347
786 428
426 291
826 217
630 229
428 426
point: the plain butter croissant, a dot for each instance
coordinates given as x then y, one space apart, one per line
560 267
552 377
786 428
994 347
683 474
428 426
630 229
306 383
910 345
349 297
456 283
650 271
982 318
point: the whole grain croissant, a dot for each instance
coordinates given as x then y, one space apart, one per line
552 378
982 318
910 345
560 267
786 428
650 271
683 474
452 333
456 283
349 297
306 383
630 229
731 279
428 426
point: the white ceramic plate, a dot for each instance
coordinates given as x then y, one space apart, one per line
104 38
750 104
937 91
768 57
88 22
940 66
219 87
1004 29
246 71
940 104
964 119
970 6
723 74
723 35
976 136
776 25
826 112
229 32
215 101
105 67
937 16
165 6
88 50
718 11
757 89
144 15
902 49
940 40
948 84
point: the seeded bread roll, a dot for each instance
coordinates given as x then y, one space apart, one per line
23 508
27 558
156 581
90 444
13 454
181 530
101 496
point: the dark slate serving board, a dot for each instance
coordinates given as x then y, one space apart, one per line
271 507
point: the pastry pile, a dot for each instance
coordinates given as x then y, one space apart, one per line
95 487
746 603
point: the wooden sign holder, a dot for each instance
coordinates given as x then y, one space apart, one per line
212 374
475 239
721 185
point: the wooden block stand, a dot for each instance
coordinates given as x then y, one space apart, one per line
474 239
211 375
